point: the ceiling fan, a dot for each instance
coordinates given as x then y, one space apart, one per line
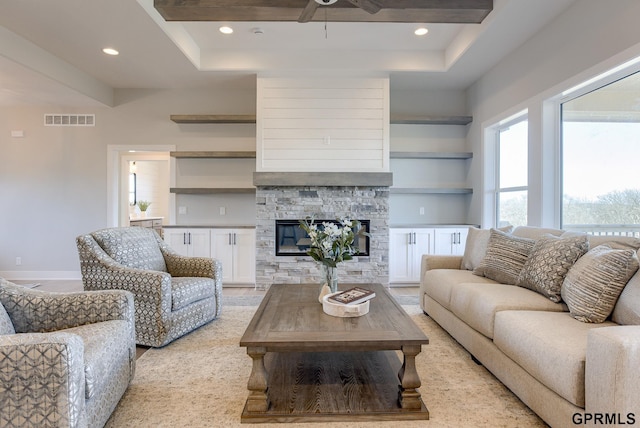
370 6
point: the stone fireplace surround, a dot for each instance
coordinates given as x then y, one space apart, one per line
328 195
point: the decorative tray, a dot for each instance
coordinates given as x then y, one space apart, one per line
343 311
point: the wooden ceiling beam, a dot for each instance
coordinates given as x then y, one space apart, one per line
419 11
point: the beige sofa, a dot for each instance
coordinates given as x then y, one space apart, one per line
568 371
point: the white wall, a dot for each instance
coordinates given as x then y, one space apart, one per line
53 182
585 40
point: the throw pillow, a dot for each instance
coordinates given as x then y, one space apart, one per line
549 261
595 282
6 326
476 246
506 255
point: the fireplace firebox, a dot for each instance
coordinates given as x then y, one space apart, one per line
292 240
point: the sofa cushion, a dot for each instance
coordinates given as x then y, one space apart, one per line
476 246
548 264
438 283
6 326
595 282
477 304
550 346
505 257
534 232
186 290
105 347
627 309
134 247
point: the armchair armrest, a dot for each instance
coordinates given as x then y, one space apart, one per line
611 371
42 376
434 261
41 311
179 265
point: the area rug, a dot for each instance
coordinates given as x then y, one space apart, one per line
200 380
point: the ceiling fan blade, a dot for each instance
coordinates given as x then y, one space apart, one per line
308 11
371 6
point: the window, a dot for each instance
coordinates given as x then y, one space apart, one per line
512 177
600 149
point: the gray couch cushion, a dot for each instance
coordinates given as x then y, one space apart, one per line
505 257
477 304
548 264
593 285
627 309
438 283
556 360
105 347
185 290
6 326
134 247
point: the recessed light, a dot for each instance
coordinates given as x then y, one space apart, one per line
421 31
226 30
110 51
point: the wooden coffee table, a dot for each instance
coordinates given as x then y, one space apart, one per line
310 366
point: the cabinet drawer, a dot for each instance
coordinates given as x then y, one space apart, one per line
142 223
157 223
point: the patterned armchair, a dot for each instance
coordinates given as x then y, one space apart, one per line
66 359
173 294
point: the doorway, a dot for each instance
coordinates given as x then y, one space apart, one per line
158 168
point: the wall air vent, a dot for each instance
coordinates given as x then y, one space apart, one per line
69 120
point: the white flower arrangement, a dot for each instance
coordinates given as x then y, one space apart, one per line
332 243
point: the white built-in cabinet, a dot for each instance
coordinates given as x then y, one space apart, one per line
236 250
233 247
408 245
191 242
450 241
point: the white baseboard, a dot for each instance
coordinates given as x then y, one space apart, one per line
59 275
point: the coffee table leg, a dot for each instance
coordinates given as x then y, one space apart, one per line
257 385
409 379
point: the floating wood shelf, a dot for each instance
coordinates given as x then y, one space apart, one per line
213 118
431 120
214 154
431 190
431 155
210 190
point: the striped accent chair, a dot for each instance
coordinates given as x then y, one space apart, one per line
173 294
66 359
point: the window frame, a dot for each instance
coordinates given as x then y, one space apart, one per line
498 191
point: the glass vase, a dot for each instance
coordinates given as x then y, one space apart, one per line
330 277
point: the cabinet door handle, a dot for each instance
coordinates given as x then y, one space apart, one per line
459 238
184 238
234 239
189 238
229 238
414 238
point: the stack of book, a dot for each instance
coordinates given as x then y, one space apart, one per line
352 296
